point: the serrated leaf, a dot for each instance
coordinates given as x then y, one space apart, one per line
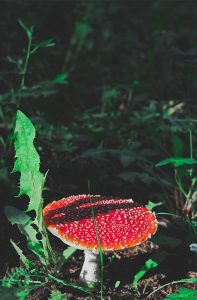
31 184
149 265
176 162
28 164
183 294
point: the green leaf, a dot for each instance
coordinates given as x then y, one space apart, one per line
176 162
28 164
149 265
68 252
74 286
16 216
61 79
79 38
57 295
28 31
183 294
23 221
152 205
184 280
177 146
22 294
43 44
22 257
31 184
117 284
46 43
38 250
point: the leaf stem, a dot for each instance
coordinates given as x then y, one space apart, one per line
24 71
173 282
179 183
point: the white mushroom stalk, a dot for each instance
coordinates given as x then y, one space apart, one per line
90 272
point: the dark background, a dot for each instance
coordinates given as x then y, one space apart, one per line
128 100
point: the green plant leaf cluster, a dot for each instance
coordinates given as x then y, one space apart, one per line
31 184
57 295
183 294
28 164
150 264
19 283
177 162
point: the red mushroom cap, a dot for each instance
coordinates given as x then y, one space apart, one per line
120 223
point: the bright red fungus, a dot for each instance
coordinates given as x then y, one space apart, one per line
120 223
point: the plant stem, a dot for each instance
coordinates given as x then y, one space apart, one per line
191 144
22 84
99 244
173 282
179 183
191 150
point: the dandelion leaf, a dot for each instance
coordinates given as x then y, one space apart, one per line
28 163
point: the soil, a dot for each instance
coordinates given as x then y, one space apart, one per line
121 267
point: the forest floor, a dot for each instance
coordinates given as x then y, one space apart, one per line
120 269
122 266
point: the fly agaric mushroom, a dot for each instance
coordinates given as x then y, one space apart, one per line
93 223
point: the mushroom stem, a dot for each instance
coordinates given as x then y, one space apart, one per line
90 272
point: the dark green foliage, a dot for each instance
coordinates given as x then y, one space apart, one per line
183 294
149 265
32 185
177 162
57 295
114 95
